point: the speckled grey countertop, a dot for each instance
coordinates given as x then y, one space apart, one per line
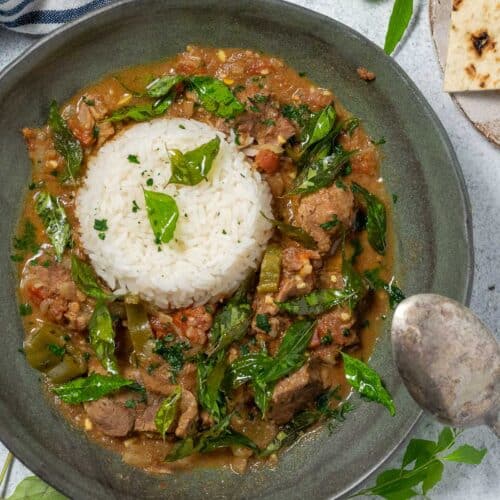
480 162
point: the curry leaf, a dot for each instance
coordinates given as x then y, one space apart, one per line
395 293
466 454
55 221
231 322
102 337
290 356
218 436
263 371
427 470
86 280
321 173
90 388
293 232
33 488
162 214
367 382
400 18
163 85
321 300
216 97
318 126
192 167
317 302
142 112
65 143
376 223
210 374
167 411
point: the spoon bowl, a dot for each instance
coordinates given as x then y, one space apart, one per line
448 360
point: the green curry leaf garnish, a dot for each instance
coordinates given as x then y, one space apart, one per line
86 280
102 337
54 220
65 143
91 388
376 222
162 214
216 97
167 411
367 382
192 167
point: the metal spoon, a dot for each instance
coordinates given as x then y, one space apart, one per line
448 360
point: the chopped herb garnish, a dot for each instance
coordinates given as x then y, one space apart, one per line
394 198
302 74
130 403
329 225
57 349
238 88
173 354
135 206
25 309
326 339
149 182
262 322
182 126
101 224
133 159
268 122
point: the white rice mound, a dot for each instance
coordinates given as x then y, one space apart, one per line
220 235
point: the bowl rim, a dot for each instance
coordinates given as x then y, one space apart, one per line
19 444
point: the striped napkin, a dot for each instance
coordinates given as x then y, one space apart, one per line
39 17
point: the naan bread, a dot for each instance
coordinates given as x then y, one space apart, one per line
473 61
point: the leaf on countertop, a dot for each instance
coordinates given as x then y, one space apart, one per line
54 220
34 488
466 454
65 143
398 22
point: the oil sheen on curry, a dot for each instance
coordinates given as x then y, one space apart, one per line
204 260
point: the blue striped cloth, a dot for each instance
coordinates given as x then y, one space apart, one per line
39 17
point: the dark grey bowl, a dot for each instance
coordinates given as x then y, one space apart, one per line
432 222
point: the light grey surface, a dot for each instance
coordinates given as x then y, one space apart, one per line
481 166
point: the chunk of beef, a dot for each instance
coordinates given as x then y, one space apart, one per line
365 160
111 416
321 207
334 331
297 276
145 420
189 415
60 301
81 122
295 392
105 131
41 149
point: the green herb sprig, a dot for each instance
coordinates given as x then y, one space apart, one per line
423 465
